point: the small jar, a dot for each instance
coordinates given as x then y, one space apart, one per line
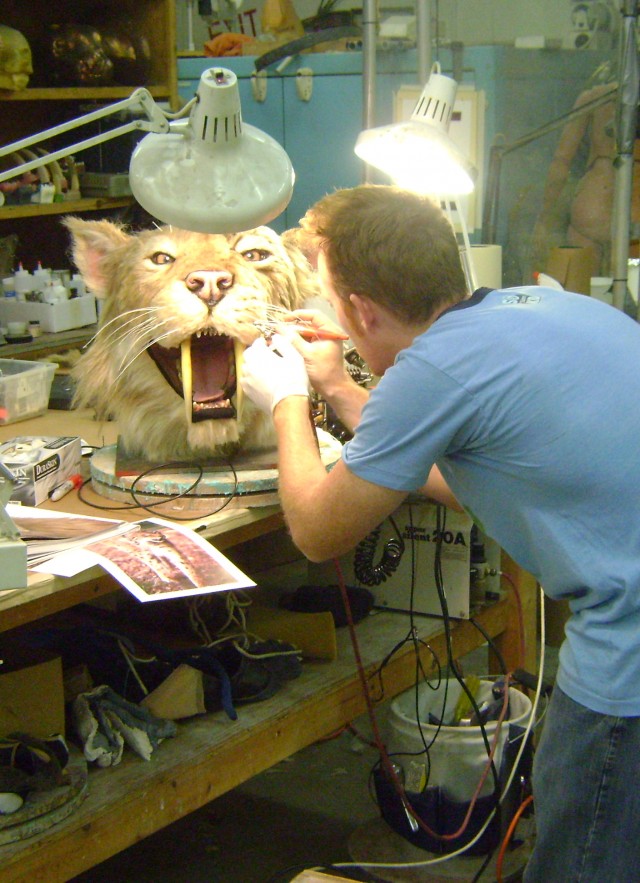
34 328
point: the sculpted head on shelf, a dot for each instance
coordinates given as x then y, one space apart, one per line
15 60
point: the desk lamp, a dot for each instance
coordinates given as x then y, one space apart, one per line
210 172
420 155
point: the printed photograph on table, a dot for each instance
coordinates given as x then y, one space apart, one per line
156 559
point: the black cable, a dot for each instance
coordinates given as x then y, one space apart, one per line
170 498
440 525
483 867
370 574
492 645
419 669
305 42
387 659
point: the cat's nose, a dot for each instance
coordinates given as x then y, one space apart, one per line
209 285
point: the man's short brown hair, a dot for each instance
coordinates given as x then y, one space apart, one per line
392 245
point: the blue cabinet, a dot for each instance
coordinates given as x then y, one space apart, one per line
522 89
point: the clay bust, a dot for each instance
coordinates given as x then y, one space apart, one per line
577 208
15 59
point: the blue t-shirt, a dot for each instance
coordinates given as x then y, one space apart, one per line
528 400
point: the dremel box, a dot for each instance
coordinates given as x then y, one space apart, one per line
39 464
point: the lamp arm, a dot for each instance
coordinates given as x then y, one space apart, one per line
140 100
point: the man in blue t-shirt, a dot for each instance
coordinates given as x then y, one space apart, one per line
523 407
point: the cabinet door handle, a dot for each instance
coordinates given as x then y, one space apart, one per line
304 83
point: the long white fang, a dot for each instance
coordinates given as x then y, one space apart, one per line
238 353
187 378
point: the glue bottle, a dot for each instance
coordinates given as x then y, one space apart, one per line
547 281
77 286
22 282
9 286
54 293
41 277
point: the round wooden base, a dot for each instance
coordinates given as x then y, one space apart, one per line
42 809
253 481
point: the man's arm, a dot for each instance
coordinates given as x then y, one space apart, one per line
327 513
436 488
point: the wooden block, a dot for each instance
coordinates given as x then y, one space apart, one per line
314 634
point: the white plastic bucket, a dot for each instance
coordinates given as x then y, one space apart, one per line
458 755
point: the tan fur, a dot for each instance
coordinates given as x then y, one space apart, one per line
146 300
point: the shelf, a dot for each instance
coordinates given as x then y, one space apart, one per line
97 93
36 209
211 754
34 232
48 343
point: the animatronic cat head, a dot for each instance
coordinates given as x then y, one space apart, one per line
179 308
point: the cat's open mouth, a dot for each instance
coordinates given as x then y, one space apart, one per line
204 372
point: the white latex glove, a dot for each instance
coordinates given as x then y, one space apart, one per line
273 371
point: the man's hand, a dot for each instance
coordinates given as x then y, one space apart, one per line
322 347
273 371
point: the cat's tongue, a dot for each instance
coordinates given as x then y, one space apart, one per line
208 376
203 371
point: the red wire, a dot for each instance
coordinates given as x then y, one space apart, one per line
509 835
386 762
520 615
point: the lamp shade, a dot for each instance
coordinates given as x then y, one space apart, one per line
212 173
419 154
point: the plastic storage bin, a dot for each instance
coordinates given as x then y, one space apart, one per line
24 389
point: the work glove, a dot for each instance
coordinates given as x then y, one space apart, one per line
272 371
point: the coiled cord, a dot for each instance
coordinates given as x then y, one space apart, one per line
370 574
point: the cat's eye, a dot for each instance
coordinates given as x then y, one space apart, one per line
255 255
161 257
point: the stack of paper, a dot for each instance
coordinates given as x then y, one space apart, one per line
153 559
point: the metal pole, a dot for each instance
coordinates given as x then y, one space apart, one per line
369 38
423 39
626 121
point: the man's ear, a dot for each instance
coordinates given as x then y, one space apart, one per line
364 311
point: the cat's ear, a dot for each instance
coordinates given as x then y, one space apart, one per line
306 278
91 243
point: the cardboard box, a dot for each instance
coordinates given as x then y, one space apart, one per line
39 464
73 313
573 267
31 693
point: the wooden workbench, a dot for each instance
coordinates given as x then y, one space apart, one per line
212 754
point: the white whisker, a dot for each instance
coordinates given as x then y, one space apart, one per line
141 338
124 366
130 336
134 317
